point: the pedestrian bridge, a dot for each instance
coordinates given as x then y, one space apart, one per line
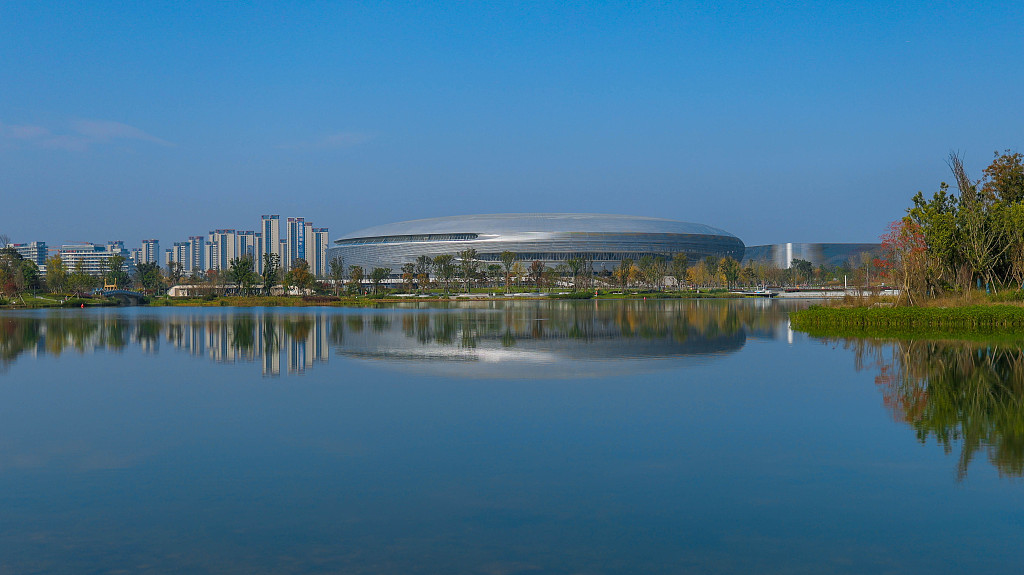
126 297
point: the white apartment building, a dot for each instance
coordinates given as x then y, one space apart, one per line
150 252
93 257
270 227
295 242
316 251
34 252
225 249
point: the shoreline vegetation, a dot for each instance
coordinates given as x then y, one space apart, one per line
43 301
980 322
956 261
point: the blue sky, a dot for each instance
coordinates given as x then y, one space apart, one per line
774 121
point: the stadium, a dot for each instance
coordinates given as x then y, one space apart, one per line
603 240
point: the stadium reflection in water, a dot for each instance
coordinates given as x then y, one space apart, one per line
479 339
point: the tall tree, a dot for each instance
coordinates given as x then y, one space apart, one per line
423 265
377 276
148 277
355 278
537 273
680 263
979 237
17 274
508 259
469 264
730 269
337 273
444 268
1004 179
300 276
56 274
575 266
271 272
624 271
243 274
114 272
175 271
409 275
79 280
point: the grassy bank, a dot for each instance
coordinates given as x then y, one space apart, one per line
916 322
41 301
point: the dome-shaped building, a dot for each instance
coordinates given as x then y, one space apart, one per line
604 240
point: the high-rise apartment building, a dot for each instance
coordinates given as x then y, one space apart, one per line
250 244
225 249
316 251
180 253
197 254
150 252
270 227
295 242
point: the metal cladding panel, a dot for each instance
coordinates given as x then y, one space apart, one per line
782 255
501 224
550 238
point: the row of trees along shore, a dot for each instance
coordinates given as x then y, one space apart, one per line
965 238
462 271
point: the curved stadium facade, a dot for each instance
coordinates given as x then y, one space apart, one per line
550 238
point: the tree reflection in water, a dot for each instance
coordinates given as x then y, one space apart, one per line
955 391
523 332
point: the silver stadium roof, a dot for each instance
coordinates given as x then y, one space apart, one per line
604 240
518 223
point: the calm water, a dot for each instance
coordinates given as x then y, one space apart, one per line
531 437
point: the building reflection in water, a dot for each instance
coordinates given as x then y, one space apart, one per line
477 339
966 396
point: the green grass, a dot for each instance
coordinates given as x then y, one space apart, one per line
964 322
48 300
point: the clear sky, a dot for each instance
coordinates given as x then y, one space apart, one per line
809 121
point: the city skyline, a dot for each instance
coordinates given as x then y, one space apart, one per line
820 120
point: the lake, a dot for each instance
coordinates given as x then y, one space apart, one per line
662 436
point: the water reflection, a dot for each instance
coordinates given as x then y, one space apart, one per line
298 341
487 340
956 392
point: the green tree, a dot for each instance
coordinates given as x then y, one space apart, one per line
1004 179
79 281
337 272
271 272
802 270
507 259
575 266
423 265
680 263
148 277
624 272
494 274
175 271
17 274
56 274
243 274
355 278
444 268
409 275
377 276
469 264
731 270
537 273
300 275
114 272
